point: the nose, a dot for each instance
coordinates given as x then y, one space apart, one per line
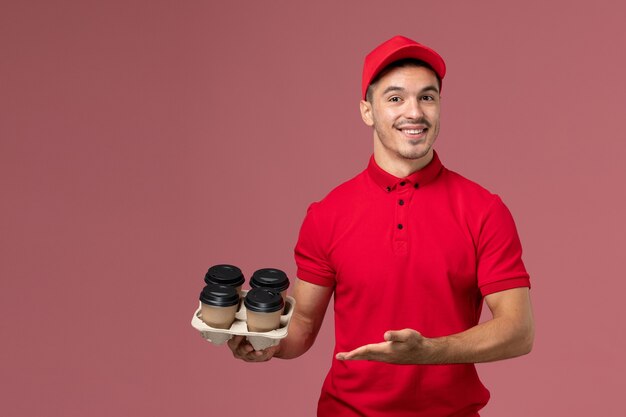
413 109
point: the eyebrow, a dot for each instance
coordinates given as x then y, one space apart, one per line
423 90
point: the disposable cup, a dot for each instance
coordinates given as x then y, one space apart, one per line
264 307
218 305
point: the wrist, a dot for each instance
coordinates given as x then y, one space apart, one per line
437 350
278 351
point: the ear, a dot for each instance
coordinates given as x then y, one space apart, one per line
366 112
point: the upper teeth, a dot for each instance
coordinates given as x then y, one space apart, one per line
414 131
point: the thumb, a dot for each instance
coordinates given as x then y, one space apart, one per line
396 336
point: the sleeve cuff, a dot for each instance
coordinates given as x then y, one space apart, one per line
504 285
312 278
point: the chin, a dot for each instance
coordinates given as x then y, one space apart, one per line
414 154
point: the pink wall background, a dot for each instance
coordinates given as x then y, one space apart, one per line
143 141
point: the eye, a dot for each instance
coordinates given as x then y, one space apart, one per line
428 98
394 99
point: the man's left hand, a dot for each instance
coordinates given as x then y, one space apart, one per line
401 347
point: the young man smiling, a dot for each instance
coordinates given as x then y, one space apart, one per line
410 250
403 108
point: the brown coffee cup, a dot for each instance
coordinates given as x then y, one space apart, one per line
264 307
219 305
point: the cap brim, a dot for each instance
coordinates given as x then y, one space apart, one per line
418 52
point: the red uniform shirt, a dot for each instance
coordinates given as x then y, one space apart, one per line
419 252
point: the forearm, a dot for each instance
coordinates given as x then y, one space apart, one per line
300 337
311 303
510 333
496 339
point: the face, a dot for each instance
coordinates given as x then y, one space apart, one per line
404 113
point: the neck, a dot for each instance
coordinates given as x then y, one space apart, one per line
398 166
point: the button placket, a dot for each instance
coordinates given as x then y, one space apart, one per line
402 198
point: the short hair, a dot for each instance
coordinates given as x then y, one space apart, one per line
407 62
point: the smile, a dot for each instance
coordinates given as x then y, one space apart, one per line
413 131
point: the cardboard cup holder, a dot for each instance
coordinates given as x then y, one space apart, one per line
258 340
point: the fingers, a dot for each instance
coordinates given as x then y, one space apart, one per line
242 349
345 356
366 352
239 346
234 342
262 355
395 349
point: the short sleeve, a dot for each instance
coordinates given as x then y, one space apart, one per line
499 252
311 252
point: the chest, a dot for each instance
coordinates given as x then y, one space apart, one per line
405 243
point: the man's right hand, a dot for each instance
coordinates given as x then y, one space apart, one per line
242 349
311 303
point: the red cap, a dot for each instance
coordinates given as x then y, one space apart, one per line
395 49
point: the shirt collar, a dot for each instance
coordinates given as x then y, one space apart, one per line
417 179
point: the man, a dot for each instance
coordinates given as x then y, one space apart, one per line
410 250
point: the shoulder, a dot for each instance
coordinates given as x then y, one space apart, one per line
463 187
342 196
470 200
468 193
336 208
481 208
